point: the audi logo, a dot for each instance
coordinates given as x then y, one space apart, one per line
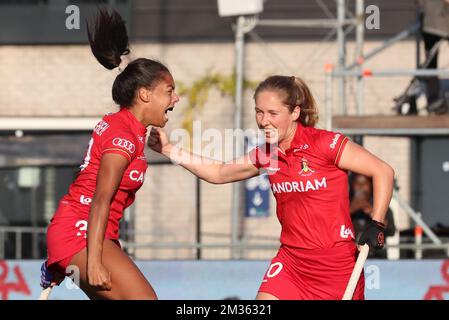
124 144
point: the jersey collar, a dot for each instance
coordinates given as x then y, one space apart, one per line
136 123
296 142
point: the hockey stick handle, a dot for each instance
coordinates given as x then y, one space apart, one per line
45 293
358 267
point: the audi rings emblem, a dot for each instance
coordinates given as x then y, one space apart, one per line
124 144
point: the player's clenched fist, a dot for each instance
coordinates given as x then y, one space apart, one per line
99 277
373 235
157 139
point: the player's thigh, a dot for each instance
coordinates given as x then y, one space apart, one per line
128 277
128 282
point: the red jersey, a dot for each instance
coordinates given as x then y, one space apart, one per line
311 191
119 133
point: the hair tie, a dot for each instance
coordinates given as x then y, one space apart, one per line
123 64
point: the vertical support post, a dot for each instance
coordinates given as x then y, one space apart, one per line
360 33
2 244
328 96
418 240
394 253
34 224
341 10
418 36
19 244
239 73
198 218
50 194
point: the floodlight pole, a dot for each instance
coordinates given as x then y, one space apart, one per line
239 70
242 27
239 65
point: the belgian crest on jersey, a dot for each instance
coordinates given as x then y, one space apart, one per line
305 168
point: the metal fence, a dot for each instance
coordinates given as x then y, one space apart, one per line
30 243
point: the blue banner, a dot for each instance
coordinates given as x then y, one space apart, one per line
257 196
217 280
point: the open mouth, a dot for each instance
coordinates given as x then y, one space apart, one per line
270 133
166 112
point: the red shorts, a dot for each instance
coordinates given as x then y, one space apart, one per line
319 274
66 236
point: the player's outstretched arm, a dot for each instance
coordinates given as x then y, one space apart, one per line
210 170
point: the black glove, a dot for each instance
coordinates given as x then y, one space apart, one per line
373 235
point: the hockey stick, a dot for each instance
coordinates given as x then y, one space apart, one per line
358 267
45 293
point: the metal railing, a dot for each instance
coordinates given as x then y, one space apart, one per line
270 245
36 233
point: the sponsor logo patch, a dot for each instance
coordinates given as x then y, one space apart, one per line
101 127
305 168
345 233
334 141
125 144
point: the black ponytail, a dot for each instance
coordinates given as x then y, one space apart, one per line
108 42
